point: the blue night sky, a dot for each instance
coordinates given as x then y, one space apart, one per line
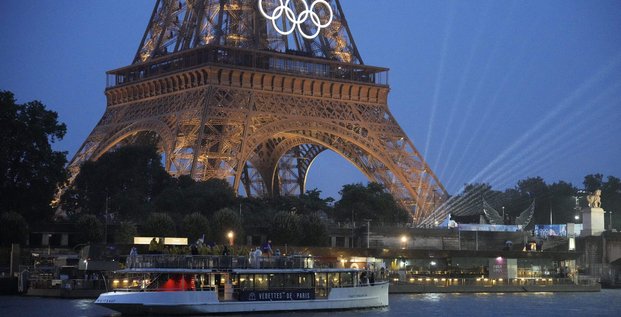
489 91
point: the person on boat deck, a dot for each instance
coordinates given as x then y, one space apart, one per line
267 247
153 246
277 252
132 259
257 257
225 251
200 242
363 278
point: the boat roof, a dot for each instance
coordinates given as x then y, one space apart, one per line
237 271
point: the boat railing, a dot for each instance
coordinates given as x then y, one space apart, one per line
218 262
163 289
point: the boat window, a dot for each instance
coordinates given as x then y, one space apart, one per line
246 281
305 281
334 280
176 282
278 281
287 281
321 279
347 279
261 281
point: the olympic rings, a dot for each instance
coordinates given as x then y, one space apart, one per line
284 11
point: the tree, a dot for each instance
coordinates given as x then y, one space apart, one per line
311 202
368 202
469 202
186 196
14 228
125 232
124 182
159 225
563 201
89 229
223 221
314 231
593 182
195 226
285 228
611 200
30 171
536 188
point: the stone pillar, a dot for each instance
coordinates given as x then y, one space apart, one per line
592 221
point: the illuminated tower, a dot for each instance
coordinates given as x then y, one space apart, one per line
252 91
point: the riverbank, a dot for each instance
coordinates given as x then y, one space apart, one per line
421 289
487 285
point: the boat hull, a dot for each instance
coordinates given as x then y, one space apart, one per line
206 302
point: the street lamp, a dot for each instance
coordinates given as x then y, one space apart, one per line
404 241
230 235
368 230
432 266
610 220
49 236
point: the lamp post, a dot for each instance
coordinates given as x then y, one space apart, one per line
106 220
432 266
49 235
404 241
610 220
230 235
368 230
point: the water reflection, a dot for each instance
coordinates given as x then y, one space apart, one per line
604 303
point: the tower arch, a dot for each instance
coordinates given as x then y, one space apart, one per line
233 109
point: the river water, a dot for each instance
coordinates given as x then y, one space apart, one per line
604 303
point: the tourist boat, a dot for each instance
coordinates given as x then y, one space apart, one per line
190 285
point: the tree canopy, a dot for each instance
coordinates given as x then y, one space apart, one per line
31 170
124 183
360 202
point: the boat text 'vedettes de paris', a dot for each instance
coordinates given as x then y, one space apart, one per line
180 284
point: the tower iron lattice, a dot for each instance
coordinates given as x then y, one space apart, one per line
229 97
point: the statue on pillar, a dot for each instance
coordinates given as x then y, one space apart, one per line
595 200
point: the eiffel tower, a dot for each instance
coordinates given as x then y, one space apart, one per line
252 91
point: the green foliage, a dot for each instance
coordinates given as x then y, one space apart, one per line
223 221
126 181
285 228
536 188
30 170
307 203
159 225
14 228
125 232
314 231
89 229
469 202
184 196
194 226
593 182
563 202
370 202
557 198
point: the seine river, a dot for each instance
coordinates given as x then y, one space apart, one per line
604 303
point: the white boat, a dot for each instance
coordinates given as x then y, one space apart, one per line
191 285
